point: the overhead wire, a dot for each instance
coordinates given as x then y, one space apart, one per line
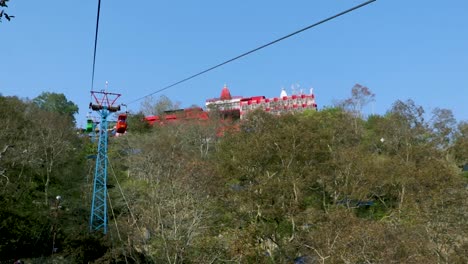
92 86
125 199
116 226
135 222
205 71
254 50
95 43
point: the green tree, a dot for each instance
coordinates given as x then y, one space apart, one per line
165 182
39 160
56 102
460 145
51 146
313 185
443 126
137 123
360 97
325 187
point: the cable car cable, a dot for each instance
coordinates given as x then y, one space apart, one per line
254 50
116 227
95 42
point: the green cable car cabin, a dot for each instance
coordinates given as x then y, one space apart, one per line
89 126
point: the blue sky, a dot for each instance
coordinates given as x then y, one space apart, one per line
399 49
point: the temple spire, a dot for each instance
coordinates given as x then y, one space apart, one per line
225 94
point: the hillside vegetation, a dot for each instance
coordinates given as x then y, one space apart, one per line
314 187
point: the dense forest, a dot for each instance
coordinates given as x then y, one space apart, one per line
331 186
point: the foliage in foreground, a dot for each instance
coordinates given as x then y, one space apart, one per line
317 187
326 186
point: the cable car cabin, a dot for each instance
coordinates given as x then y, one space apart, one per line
121 126
89 125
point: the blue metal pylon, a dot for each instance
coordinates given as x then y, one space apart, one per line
104 105
99 206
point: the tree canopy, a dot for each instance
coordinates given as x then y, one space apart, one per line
56 102
316 187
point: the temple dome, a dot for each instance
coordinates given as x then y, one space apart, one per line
283 93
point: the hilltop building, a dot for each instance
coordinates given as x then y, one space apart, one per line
237 107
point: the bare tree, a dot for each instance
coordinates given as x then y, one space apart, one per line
152 106
360 97
170 202
50 145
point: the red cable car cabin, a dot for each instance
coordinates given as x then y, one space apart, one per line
121 126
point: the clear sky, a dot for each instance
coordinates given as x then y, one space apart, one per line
399 49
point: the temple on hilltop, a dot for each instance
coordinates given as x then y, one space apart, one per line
227 105
239 107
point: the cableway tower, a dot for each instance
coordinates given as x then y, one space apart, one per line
104 103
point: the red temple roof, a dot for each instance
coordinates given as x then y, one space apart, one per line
225 94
